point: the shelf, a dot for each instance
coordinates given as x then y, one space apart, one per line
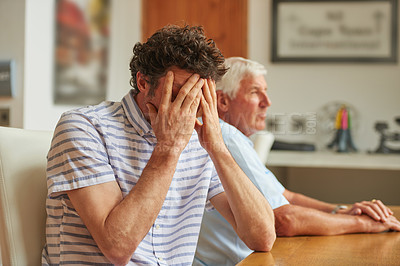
334 160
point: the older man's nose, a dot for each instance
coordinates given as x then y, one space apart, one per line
265 101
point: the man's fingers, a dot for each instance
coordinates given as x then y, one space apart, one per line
375 208
206 92
380 208
393 223
372 210
210 95
356 211
197 126
192 99
167 89
195 105
385 209
204 105
186 89
213 88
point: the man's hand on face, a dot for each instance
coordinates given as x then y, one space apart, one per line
209 132
173 122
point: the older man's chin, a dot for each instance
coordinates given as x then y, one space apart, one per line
261 126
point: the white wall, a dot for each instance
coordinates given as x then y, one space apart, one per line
39 111
373 89
12 17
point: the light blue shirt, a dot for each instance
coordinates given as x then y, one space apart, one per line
218 242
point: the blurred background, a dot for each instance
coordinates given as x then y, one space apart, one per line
305 95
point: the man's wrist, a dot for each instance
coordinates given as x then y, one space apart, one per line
217 149
168 150
338 207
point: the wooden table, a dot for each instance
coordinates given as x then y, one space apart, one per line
351 249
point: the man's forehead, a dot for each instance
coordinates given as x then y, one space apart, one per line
180 76
178 83
254 82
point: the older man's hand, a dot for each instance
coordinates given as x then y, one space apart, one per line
374 208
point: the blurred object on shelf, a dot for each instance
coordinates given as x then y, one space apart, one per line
387 138
326 122
342 139
292 146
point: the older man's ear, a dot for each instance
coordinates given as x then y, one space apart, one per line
223 102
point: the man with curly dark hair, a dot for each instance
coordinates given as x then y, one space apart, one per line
186 48
128 182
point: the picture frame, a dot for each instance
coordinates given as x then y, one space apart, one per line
357 31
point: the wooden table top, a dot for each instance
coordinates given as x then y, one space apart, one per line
350 249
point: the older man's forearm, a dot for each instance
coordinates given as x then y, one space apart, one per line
292 220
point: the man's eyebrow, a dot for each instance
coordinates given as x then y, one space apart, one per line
257 87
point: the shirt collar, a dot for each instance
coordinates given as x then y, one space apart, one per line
229 129
135 115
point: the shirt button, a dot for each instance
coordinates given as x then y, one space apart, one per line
157 226
160 259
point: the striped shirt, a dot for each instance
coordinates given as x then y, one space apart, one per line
113 142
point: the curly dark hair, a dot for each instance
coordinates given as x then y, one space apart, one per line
184 47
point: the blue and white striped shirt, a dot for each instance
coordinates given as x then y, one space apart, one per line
113 142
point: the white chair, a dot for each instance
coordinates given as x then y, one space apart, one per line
23 194
263 141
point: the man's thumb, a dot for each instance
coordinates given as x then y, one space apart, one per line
197 126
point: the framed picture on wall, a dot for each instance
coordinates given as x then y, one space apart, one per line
81 51
334 30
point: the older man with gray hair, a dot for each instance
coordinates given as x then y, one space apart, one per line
242 104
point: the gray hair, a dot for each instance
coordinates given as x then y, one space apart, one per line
239 67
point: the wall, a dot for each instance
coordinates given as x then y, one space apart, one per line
12 17
373 89
39 110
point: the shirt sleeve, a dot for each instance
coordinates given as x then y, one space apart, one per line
215 188
78 156
246 157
